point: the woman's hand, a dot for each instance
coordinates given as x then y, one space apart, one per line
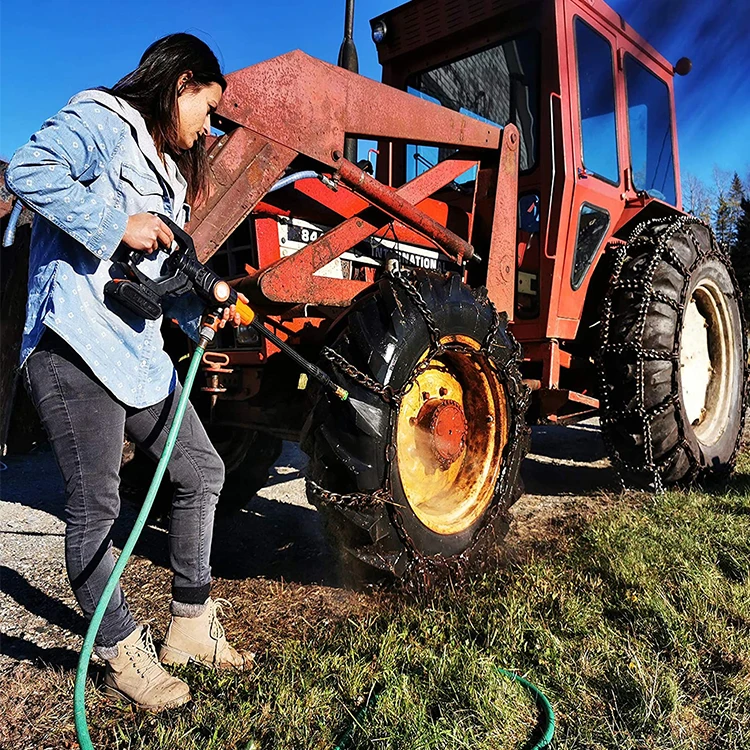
146 232
230 313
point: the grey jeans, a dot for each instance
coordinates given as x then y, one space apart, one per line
86 426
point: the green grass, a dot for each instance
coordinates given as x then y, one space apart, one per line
637 628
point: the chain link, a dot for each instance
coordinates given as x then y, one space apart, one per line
489 339
356 500
401 278
385 392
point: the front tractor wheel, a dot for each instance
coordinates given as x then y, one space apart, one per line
673 359
416 476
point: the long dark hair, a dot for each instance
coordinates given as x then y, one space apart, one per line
152 89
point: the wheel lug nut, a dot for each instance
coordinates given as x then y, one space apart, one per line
443 391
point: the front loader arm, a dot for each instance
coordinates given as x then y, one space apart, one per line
298 105
295 105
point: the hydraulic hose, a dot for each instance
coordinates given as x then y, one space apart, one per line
295 177
79 699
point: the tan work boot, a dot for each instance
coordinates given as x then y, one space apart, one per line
201 639
136 675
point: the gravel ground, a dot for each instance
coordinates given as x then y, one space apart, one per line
276 538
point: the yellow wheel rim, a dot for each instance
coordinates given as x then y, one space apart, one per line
451 430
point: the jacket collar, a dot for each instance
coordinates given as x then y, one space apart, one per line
145 142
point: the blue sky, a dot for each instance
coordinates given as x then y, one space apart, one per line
50 50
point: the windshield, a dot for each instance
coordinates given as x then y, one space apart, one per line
497 85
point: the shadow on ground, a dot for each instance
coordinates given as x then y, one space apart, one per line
277 539
39 603
54 656
274 540
277 535
566 461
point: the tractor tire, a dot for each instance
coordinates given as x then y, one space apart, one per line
416 487
248 456
673 362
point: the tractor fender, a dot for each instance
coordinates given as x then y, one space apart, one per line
639 211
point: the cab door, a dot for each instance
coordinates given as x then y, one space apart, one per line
598 154
651 155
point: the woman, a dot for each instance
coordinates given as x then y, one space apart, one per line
92 174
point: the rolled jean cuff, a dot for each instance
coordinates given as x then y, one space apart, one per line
189 595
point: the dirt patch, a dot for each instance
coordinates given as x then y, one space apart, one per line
567 478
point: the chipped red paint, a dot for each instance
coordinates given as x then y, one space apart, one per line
309 106
243 168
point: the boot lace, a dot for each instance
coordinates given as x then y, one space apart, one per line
217 608
145 647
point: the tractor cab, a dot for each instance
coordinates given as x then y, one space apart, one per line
593 103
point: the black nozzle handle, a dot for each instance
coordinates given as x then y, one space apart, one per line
181 237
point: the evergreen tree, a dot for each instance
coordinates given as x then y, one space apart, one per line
720 213
735 197
723 228
741 254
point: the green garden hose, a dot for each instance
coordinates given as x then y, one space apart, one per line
79 699
545 707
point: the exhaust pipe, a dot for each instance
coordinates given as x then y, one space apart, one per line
349 61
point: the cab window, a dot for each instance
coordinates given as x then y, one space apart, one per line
496 85
596 91
650 126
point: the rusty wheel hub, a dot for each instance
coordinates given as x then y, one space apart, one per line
451 431
444 426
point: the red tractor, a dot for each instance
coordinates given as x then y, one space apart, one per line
516 243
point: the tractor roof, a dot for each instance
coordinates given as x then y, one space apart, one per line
618 25
422 22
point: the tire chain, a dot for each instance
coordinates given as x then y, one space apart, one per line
423 570
662 252
402 279
356 500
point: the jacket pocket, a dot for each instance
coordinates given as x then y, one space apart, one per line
144 184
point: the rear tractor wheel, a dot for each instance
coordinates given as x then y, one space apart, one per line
416 477
673 357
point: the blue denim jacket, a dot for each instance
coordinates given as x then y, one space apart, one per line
84 173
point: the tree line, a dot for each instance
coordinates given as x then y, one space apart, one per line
724 204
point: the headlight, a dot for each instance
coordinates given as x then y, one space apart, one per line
379 30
